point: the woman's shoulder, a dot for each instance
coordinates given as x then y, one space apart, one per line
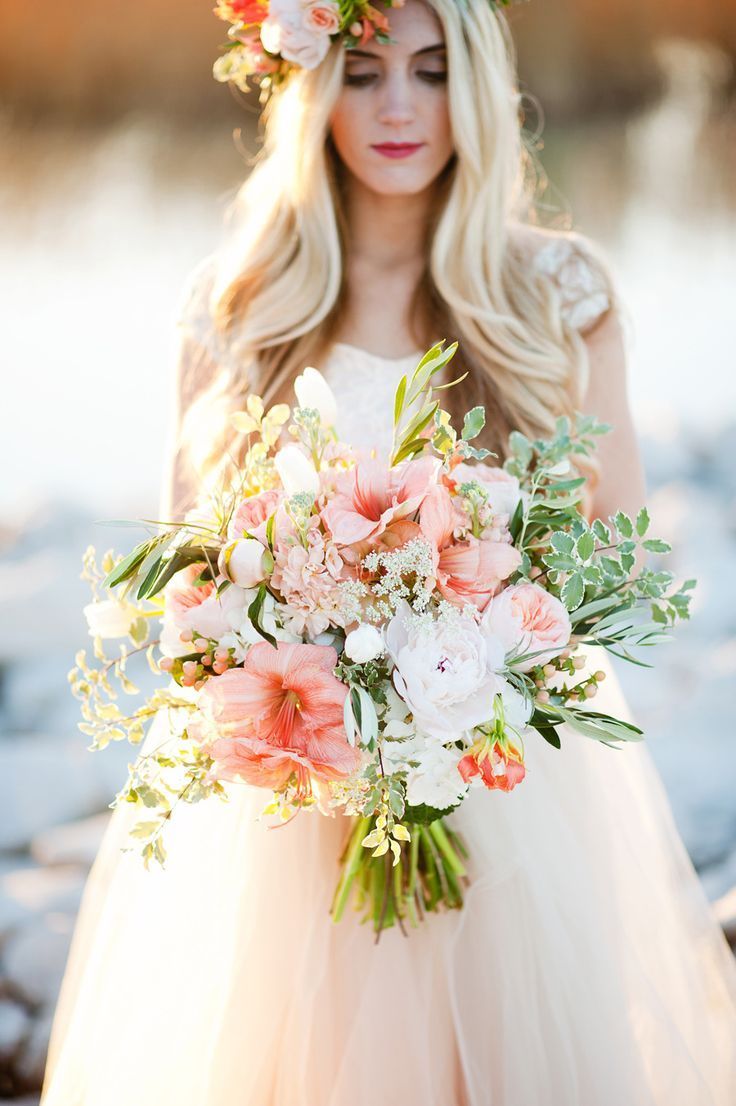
575 267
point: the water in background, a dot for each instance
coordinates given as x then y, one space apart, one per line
101 230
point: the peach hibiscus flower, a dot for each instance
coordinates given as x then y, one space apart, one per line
469 571
281 713
371 496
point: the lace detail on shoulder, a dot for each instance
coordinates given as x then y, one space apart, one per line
584 292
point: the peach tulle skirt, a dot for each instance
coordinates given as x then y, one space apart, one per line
585 969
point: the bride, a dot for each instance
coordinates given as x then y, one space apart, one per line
389 209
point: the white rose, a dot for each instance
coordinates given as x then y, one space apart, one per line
283 32
296 471
245 561
447 673
110 618
312 390
364 644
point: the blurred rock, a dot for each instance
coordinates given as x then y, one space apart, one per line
45 781
71 843
34 958
31 1062
15 1024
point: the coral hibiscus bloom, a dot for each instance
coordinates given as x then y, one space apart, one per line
371 496
281 713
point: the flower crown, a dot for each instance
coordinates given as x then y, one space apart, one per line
268 38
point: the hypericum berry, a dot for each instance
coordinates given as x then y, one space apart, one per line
590 691
543 697
186 635
578 662
599 675
166 664
201 644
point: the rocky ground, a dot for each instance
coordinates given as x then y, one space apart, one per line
54 794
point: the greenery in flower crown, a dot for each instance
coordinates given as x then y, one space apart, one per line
267 40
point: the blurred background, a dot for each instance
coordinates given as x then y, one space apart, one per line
118 155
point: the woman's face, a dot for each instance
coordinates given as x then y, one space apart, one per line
394 95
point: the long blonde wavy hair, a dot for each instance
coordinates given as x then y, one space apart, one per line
277 295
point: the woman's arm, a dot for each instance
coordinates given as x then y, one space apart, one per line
622 483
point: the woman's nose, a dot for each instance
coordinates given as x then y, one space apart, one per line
397 102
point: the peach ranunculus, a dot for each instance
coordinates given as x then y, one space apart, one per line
251 515
371 496
197 608
281 713
469 571
527 618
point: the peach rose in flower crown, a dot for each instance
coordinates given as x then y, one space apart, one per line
526 618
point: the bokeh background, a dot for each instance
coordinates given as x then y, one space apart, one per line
118 156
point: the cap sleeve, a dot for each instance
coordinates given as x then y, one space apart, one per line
581 280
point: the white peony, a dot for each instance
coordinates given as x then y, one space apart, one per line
296 471
364 644
312 390
446 672
432 775
110 618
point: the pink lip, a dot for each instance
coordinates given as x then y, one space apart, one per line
397 149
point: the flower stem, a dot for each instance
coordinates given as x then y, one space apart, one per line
351 865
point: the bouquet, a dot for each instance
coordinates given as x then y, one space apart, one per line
370 637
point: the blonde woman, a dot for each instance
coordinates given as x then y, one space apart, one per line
389 209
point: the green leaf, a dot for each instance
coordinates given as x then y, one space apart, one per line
585 546
657 545
562 542
573 591
601 531
474 422
642 522
255 612
624 525
270 528
399 400
127 566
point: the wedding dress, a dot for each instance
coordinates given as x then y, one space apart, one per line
585 969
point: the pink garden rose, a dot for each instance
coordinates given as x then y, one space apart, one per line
198 609
252 514
469 571
526 618
281 713
371 496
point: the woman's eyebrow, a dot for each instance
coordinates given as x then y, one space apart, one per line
353 52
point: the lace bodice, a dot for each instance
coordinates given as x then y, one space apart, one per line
364 383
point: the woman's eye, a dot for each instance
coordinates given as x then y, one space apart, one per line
436 75
359 78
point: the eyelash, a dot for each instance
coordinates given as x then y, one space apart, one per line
358 80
